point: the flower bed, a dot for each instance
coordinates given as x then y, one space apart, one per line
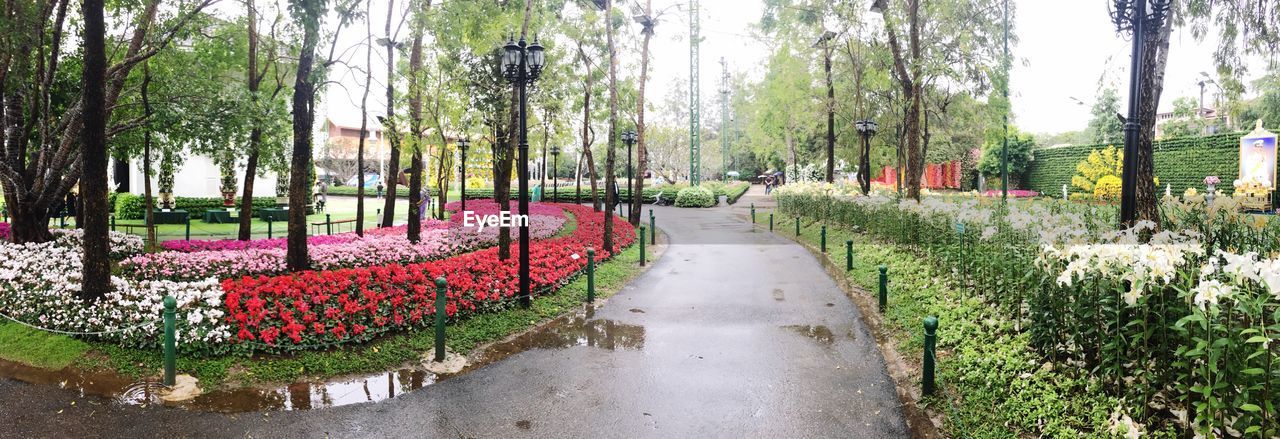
1174 317
4 231
338 306
41 283
225 259
290 311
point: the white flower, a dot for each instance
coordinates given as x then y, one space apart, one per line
574 256
988 232
1209 292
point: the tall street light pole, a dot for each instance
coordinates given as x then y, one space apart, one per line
866 128
1004 149
463 143
1133 15
629 137
522 63
555 168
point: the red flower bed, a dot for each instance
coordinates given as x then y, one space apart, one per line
323 307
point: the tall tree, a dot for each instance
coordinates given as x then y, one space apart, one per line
611 144
96 280
1104 124
265 108
647 23
389 130
307 14
364 115
415 128
41 158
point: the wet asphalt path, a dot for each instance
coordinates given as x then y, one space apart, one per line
733 333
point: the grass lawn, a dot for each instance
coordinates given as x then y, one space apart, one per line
338 208
38 348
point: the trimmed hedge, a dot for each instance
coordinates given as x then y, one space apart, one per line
132 207
695 197
734 191
1181 162
401 191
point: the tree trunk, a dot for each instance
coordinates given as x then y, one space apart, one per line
502 180
245 232
96 279
642 158
1155 57
149 203
300 166
389 130
415 133
610 180
831 117
364 120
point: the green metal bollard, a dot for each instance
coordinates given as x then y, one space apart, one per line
753 213
113 222
771 222
188 233
170 342
269 229
441 305
884 288
797 226
642 246
328 225
653 229
591 275
930 343
824 238
848 255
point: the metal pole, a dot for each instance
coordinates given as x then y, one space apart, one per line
848 255
797 226
884 288
441 306
462 186
930 345
1129 176
526 300
1004 151
555 184
642 246
328 224
591 275
770 222
188 233
170 340
269 234
824 238
753 213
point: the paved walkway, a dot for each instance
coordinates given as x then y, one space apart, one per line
733 333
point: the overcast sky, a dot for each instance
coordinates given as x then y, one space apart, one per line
1065 48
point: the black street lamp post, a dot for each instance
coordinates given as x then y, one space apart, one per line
630 138
866 128
555 171
463 143
1134 16
521 65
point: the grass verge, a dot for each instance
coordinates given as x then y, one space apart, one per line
992 384
38 348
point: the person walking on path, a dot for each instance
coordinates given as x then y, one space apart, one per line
379 190
424 203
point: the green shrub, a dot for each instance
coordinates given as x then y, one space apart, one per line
133 207
695 197
734 191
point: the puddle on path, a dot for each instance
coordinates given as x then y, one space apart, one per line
820 334
564 332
